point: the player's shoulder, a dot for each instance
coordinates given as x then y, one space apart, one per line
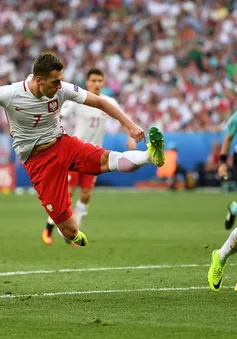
67 86
12 88
233 117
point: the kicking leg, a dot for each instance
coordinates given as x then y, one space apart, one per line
69 231
132 160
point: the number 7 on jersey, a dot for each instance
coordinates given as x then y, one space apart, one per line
37 119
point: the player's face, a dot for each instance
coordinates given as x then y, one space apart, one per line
50 85
95 83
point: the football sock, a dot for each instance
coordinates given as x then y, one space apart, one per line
50 225
127 161
229 247
233 208
80 211
77 240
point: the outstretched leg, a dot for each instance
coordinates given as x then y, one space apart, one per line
130 161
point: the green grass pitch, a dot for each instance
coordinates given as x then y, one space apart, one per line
143 274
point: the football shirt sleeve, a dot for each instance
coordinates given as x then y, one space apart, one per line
73 93
6 94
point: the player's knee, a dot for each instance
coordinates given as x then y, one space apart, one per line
104 162
71 190
85 195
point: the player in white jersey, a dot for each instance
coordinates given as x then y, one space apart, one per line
33 110
89 125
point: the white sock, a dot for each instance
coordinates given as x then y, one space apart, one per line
229 247
50 221
81 205
80 211
60 233
127 161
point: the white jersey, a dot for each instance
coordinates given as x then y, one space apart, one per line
89 122
35 121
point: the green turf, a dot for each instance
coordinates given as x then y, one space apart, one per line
124 229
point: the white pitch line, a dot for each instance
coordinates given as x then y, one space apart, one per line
162 289
98 269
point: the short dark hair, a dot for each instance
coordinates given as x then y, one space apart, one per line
96 71
46 63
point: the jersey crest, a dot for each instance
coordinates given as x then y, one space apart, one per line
52 105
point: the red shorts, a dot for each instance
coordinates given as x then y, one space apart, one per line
82 180
48 171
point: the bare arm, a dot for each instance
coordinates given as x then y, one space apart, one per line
226 144
134 131
131 144
222 170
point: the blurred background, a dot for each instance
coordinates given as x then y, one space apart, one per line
172 64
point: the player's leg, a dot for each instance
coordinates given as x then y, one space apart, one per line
48 171
48 230
130 161
86 184
70 232
219 258
231 215
232 207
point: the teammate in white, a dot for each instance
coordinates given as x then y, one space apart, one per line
89 125
33 110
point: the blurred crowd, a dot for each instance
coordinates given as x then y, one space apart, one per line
170 63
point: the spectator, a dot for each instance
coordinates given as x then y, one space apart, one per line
184 53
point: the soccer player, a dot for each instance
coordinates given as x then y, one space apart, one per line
33 110
89 125
231 132
219 257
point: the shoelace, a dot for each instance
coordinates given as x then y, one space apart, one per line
217 272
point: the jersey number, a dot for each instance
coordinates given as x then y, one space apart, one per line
37 119
95 122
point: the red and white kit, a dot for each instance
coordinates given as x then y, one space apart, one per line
36 121
88 124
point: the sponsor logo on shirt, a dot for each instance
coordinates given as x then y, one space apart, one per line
75 88
52 105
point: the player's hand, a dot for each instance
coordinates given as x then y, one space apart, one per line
222 171
131 144
136 133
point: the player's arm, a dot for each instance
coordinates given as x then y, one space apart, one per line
222 170
131 144
231 131
75 93
133 130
